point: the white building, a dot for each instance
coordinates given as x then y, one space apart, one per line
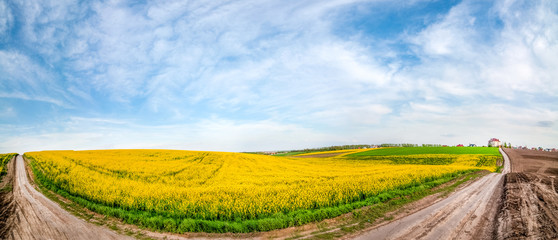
494 142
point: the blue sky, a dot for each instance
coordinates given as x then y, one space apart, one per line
272 75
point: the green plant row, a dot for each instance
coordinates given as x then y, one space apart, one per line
165 222
4 159
488 160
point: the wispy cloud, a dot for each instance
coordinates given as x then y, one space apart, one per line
6 21
22 78
336 72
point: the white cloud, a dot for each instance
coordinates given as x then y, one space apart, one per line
472 124
277 70
453 36
32 82
527 54
120 47
350 118
210 134
460 60
7 112
6 20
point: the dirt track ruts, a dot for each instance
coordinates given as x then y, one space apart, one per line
37 217
467 214
530 198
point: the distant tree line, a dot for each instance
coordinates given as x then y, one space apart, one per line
360 146
408 145
335 148
432 145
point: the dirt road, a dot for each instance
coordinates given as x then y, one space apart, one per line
37 217
467 214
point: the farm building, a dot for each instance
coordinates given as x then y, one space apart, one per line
494 142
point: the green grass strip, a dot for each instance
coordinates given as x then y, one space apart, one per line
427 150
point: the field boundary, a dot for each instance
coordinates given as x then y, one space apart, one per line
403 151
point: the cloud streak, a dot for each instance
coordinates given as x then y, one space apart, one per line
206 67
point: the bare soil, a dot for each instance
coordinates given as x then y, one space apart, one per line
530 161
530 197
7 203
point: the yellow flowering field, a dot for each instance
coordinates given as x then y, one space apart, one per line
341 152
4 159
230 192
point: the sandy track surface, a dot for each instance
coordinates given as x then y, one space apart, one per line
37 217
467 214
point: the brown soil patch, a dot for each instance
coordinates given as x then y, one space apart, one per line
530 199
533 161
552 171
7 203
530 207
541 156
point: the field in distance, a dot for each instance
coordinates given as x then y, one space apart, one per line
428 150
193 191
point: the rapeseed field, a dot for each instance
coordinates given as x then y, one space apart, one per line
235 192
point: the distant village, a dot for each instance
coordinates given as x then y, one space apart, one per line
493 142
